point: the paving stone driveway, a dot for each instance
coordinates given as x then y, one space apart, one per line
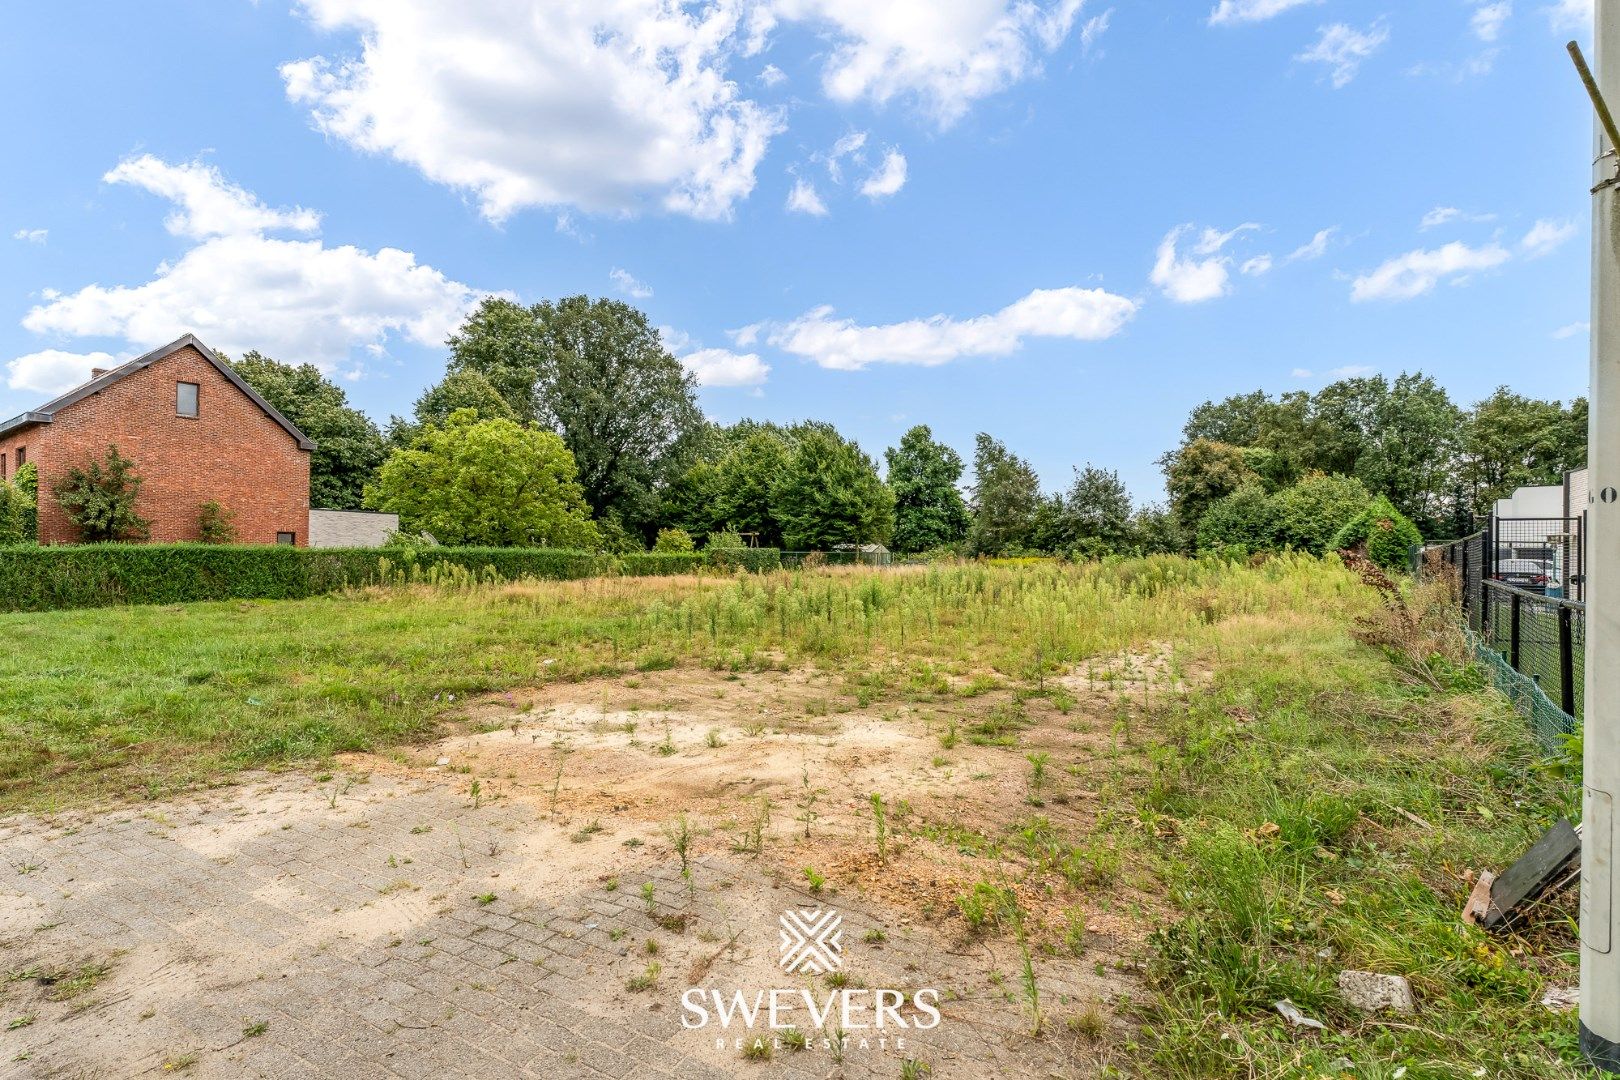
305 927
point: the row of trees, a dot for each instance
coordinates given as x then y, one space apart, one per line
1439 464
570 422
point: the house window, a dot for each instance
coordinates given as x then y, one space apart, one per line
2 466
22 456
286 538
185 398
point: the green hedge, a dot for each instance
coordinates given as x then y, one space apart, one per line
660 563
757 560
95 575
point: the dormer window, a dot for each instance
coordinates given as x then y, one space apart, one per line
185 399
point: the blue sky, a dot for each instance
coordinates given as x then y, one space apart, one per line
1063 223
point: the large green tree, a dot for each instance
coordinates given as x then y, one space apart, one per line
732 486
1006 498
1200 473
457 390
348 446
1511 441
830 494
1411 448
487 482
929 511
1092 518
597 373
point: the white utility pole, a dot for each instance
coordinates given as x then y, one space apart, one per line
1600 952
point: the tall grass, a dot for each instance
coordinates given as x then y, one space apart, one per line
150 698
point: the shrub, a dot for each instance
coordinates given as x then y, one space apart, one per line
27 482
616 539
677 541
100 500
215 524
14 506
1311 513
1245 519
725 549
1384 532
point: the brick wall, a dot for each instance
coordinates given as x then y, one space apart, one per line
231 452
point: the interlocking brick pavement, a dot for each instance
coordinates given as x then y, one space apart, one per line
294 927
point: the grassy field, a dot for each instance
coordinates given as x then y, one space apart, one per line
1304 790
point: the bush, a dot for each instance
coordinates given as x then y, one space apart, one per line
1384 532
674 540
27 482
14 507
215 524
100 499
1311 513
1244 519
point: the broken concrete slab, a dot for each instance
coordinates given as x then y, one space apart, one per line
1372 992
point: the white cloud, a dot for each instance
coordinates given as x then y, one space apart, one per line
297 300
1440 215
1488 19
1343 49
600 106
1255 267
1316 247
1231 12
849 145
1092 31
1302 373
1546 237
887 178
803 199
1578 15
32 236
627 284
772 75
51 371
206 204
1417 272
1445 215
1205 275
1574 329
842 344
1351 371
615 106
721 367
944 54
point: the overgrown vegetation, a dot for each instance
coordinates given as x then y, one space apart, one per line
1316 802
1324 814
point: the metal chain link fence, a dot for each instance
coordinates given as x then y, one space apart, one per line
1533 646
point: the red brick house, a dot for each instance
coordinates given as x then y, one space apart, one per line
195 431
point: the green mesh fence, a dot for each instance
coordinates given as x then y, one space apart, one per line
1547 720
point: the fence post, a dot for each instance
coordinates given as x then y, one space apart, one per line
1566 660
1466 599
1513 630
